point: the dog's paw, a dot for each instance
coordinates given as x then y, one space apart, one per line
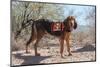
27 52
70 54
38 54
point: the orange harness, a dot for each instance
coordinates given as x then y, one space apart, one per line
57 26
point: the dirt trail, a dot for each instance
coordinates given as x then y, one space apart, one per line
52 55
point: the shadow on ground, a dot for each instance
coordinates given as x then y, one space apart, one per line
28 60
86 48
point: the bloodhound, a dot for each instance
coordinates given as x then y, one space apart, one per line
42 26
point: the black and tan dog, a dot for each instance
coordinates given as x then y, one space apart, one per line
42 26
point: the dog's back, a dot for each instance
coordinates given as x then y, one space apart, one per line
46 25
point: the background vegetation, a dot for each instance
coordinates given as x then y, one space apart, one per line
22 12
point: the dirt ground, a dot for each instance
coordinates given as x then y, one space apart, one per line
52 55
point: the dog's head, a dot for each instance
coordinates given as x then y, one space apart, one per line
70 23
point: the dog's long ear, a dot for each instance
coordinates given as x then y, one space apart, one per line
75 25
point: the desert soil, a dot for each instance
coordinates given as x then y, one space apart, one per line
52 55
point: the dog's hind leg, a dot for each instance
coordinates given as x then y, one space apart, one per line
32 37
27 44
35 48
40 34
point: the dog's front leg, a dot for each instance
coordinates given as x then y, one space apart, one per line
68 34
61 46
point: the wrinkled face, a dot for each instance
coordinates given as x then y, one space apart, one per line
70 23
